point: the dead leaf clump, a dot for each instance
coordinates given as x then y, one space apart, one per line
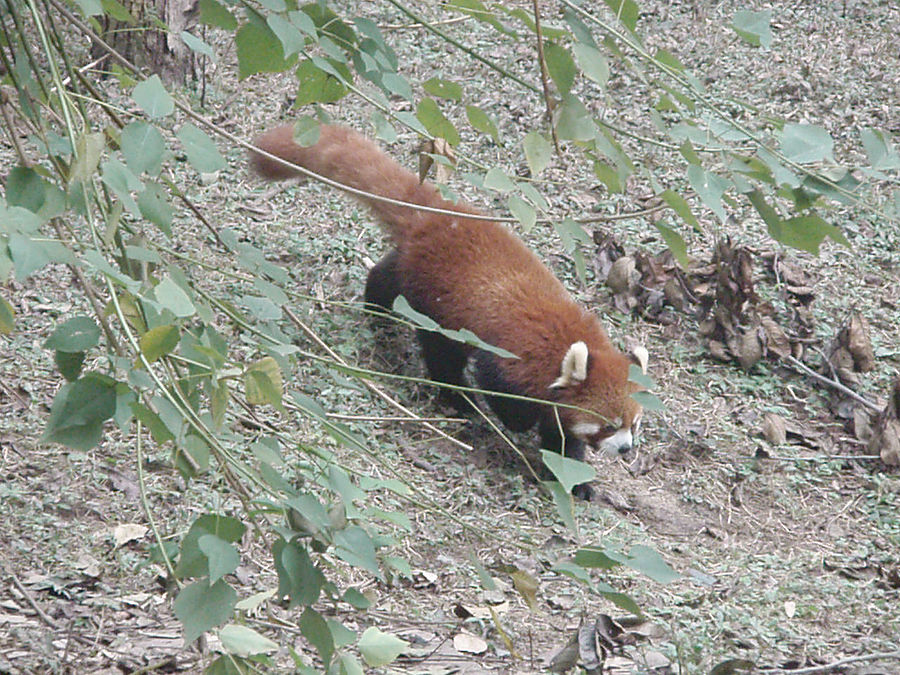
885 440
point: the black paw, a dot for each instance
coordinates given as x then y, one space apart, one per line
584 492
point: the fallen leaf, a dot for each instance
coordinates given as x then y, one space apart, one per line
128 532
773 429
471 644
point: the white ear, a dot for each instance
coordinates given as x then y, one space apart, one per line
641 357
574 366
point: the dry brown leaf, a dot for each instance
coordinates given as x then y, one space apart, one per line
859 344
126 532
749 349
777 341
623 275
886 432
468 643
773 429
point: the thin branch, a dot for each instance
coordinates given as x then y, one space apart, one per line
370 385
815 670
545 77
832 383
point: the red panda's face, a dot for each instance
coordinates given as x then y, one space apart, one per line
598 384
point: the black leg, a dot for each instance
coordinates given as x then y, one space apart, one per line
383 284
445 360
515 414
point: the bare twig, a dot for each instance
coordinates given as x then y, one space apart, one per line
371 386
799 365
814 670
545 77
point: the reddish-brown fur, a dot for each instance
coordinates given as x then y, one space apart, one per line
474 274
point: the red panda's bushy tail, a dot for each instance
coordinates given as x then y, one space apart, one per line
347 157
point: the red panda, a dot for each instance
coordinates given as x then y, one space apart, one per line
476 274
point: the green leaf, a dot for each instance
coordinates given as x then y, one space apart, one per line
78 334
122 182
25 188
152 421
806 143
201 152
314 628
259 50
159 341
197 45
522 211
573 121
681 207
647 561
243 641
626 11
79 410
200 607
608 175
443 88
88 149
172 297
538 152
403 308
263 383
30 255
560 66
378 648
753 27
197 450
116 10
648 401
192 561
212 13
384 130
356 599
298 579
879 151
306 131
398 85
143 147
595 558
565 506
354 546
69 364
675 243
592 63
478 10
90 7
808 232
315 85
155 207
430 115
569 472
482 122
222 557
638 376
153 98
292 41
496 179
7 317
709 187
577 572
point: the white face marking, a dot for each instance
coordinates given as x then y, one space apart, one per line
583 430
619 442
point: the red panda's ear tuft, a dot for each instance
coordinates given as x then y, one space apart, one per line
574 366
640 356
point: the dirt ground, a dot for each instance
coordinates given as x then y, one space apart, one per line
789 553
